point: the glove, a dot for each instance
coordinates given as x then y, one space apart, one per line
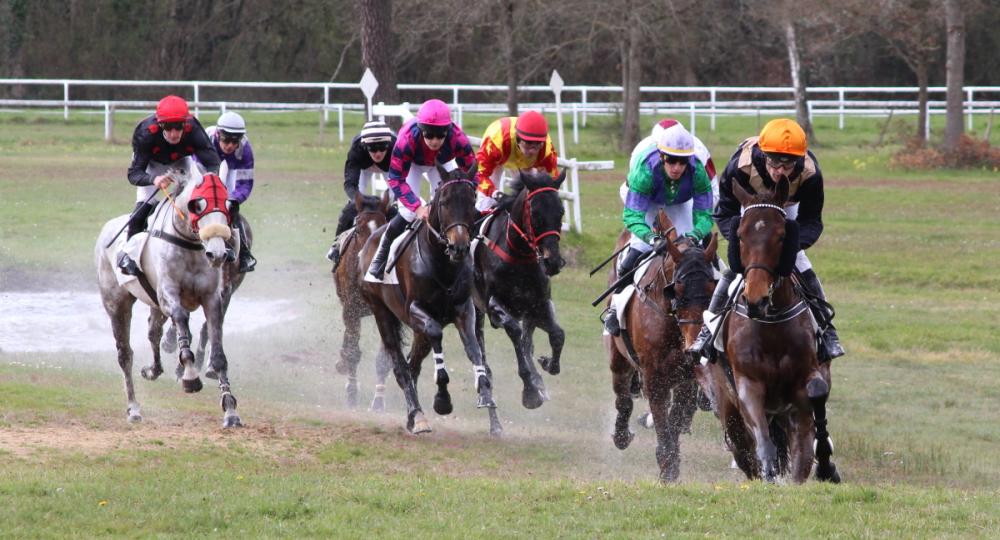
660 244
484 203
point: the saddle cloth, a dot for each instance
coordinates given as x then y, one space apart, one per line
390 277
619 301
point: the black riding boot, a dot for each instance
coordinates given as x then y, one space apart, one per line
346 221
611 323
377 267
831 342
702 346
136 224
247 260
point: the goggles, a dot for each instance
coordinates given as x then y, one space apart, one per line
781 161
530 144
377 146
230 138
674 160
172 126
434 132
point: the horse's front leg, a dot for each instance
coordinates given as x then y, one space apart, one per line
120 312
818 390
547 322
213 319
533 394
465 321
427 335
621 384
751 395
181 318
155 333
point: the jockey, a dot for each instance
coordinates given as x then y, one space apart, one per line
168 137
425 141
664 175
518 143
230 141
779 151
369 154
700 150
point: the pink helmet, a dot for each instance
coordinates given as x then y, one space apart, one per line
434 112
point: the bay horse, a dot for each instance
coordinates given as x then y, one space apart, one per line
661 320
770 390
182 271
517 254
347 278
434 271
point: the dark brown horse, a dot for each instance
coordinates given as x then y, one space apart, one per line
770 391
435 289
660 321
517 255
347 277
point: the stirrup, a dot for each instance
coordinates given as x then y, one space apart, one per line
127 265
247 263
611 323
333 255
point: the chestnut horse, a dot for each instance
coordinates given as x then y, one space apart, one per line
434 271
770 390
661 320
518 253
347 277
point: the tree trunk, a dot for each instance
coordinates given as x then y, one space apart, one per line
510 58
922 83
798 83
631 75
16 30
377 50
955 71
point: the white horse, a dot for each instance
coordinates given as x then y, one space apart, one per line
182 270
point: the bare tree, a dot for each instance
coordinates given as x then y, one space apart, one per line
630 47
376 48
798 77
955 71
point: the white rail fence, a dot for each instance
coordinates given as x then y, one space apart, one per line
708 101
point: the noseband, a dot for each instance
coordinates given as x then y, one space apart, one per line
776 279
439 237
684 270
530 237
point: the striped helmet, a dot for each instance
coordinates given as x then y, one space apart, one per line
375 131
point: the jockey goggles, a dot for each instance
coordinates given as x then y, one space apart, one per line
230 138
781 161
530 144
171 126
674 160
433 132
381 146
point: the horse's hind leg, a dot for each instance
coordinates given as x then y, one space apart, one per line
557 337
121 322
621 383
818 391
533 394
155 334
350 353
465 321
383 365
389 329
213 318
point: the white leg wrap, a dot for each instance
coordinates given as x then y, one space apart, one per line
438 365
479 372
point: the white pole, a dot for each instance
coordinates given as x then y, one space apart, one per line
694 118
559 122
107 121
969 109
583 96
575 179
841 94
576 132
196 99
369 108
340 120
326 105
66 101
458 109
454 95
712 97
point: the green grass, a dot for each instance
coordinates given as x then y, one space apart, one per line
905 259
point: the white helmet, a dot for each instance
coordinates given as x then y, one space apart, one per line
676 141
231 122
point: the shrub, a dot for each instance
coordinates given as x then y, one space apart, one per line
970 154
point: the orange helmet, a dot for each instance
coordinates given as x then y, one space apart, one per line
783 136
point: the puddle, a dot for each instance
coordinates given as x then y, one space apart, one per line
75 321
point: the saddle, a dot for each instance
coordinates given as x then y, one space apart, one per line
390 277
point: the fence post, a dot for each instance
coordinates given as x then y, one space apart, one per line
458 109
108 122
969 109
576 132
340 119
583 98
712 97
326 107
694 119
65 100
575 183
841 94
454 96
196 100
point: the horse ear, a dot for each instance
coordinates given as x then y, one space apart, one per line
741 194
561 178
386 201
472 171
445 175
359 200
713 245
663 223
781 192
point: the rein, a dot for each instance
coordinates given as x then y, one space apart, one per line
439 236
677 276
776 280
528 255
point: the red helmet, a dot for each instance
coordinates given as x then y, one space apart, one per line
172 109
531 126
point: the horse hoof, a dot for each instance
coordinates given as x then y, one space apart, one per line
420 425
150 373
134 418
532 397
549 365
486 403
442 404
496 431
378 405
828 474
341 368
231 421
211 374
192 386
645 420
622 439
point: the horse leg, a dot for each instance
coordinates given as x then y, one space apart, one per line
533 394
427 334
121 321
465 321
657 389
155 334
682 408
389 329
350 354
169 341
621 383
189 377
800 435
818 390
556 340
213 319
227 295
751 395
383 365
738 439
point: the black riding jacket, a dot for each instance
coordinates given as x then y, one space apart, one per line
358 159
148 145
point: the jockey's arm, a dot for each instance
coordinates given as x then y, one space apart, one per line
399 168
637 202
702 205
810 216
204 150
141 154
244 176
727 211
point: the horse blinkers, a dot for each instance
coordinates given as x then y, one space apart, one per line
207 197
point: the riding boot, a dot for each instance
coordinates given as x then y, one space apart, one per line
702 345
395 228
136 224
831 342
247 260
346 221
611 323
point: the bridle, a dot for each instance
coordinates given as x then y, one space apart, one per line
776 279
683 270
531 252
439 237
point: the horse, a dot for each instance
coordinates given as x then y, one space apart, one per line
434 271
661 320
182 270
770 390
347 278
517 254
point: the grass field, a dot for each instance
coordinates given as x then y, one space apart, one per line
906 259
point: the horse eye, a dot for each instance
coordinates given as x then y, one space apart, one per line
197 206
